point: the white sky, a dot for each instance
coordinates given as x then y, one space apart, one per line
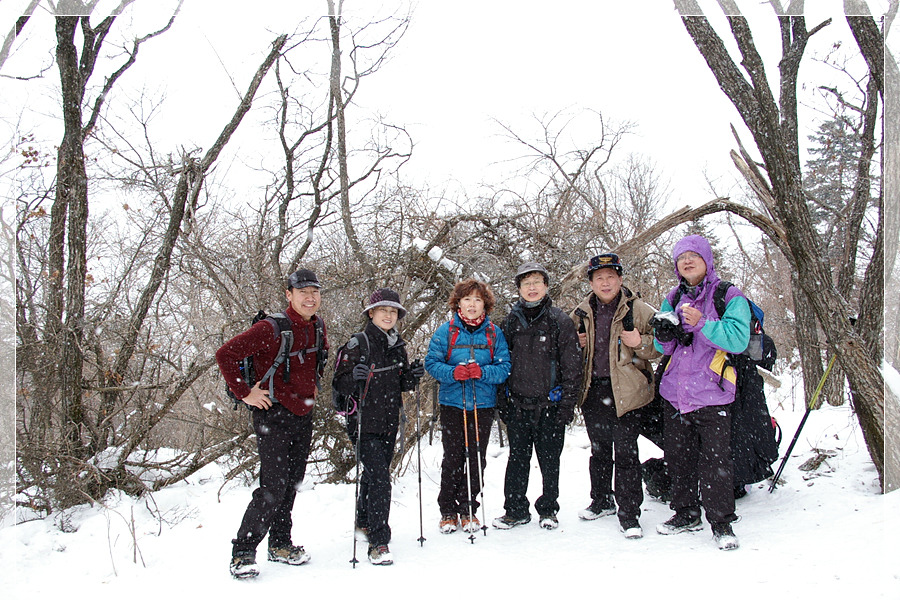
460 66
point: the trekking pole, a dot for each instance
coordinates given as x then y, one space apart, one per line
434 412
468 466
359 408
809 407
478 453
421 539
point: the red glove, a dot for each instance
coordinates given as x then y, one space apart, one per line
474 370
461 373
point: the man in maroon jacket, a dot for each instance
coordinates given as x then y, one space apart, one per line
283 422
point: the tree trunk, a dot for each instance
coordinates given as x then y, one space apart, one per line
71 202
337 99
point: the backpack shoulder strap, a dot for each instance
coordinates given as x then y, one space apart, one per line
453 334
281 323
719 296
360 338
676 297
491 334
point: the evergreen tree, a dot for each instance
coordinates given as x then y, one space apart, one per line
830 178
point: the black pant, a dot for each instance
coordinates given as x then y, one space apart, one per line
629 485
454 498
599 412
282 439
538 429
698 454
373 507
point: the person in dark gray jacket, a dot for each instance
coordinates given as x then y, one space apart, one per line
372 369
539 398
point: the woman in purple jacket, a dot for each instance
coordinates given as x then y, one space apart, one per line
699 388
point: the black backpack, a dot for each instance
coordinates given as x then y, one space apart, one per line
281 323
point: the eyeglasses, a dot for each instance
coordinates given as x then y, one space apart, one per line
684 256
533 284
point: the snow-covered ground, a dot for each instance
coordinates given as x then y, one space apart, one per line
829 535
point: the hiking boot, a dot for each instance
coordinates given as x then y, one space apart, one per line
380 555
361 534
470 525
548 522
724 536
680 523
631 529
243 565
289 555
448 524
599 508
508 522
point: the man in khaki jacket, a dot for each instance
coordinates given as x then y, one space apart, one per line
617 385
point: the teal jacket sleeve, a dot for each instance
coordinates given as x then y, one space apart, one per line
731 333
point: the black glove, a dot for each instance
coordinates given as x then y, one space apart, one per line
664 331
664 326
565 412
684 337
417 369
360 372
628 319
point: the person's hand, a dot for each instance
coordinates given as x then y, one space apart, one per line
360 372
461 373
582 339
258 398
474 370
417 369
632 338
690 315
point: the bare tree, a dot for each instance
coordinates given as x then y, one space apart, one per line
773 125
69 214
90 429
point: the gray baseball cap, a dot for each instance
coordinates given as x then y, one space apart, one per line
531 267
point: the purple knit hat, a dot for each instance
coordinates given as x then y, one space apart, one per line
385 297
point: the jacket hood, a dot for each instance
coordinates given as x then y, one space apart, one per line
698 244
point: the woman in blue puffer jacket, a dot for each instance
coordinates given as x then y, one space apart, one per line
699 388
469 357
